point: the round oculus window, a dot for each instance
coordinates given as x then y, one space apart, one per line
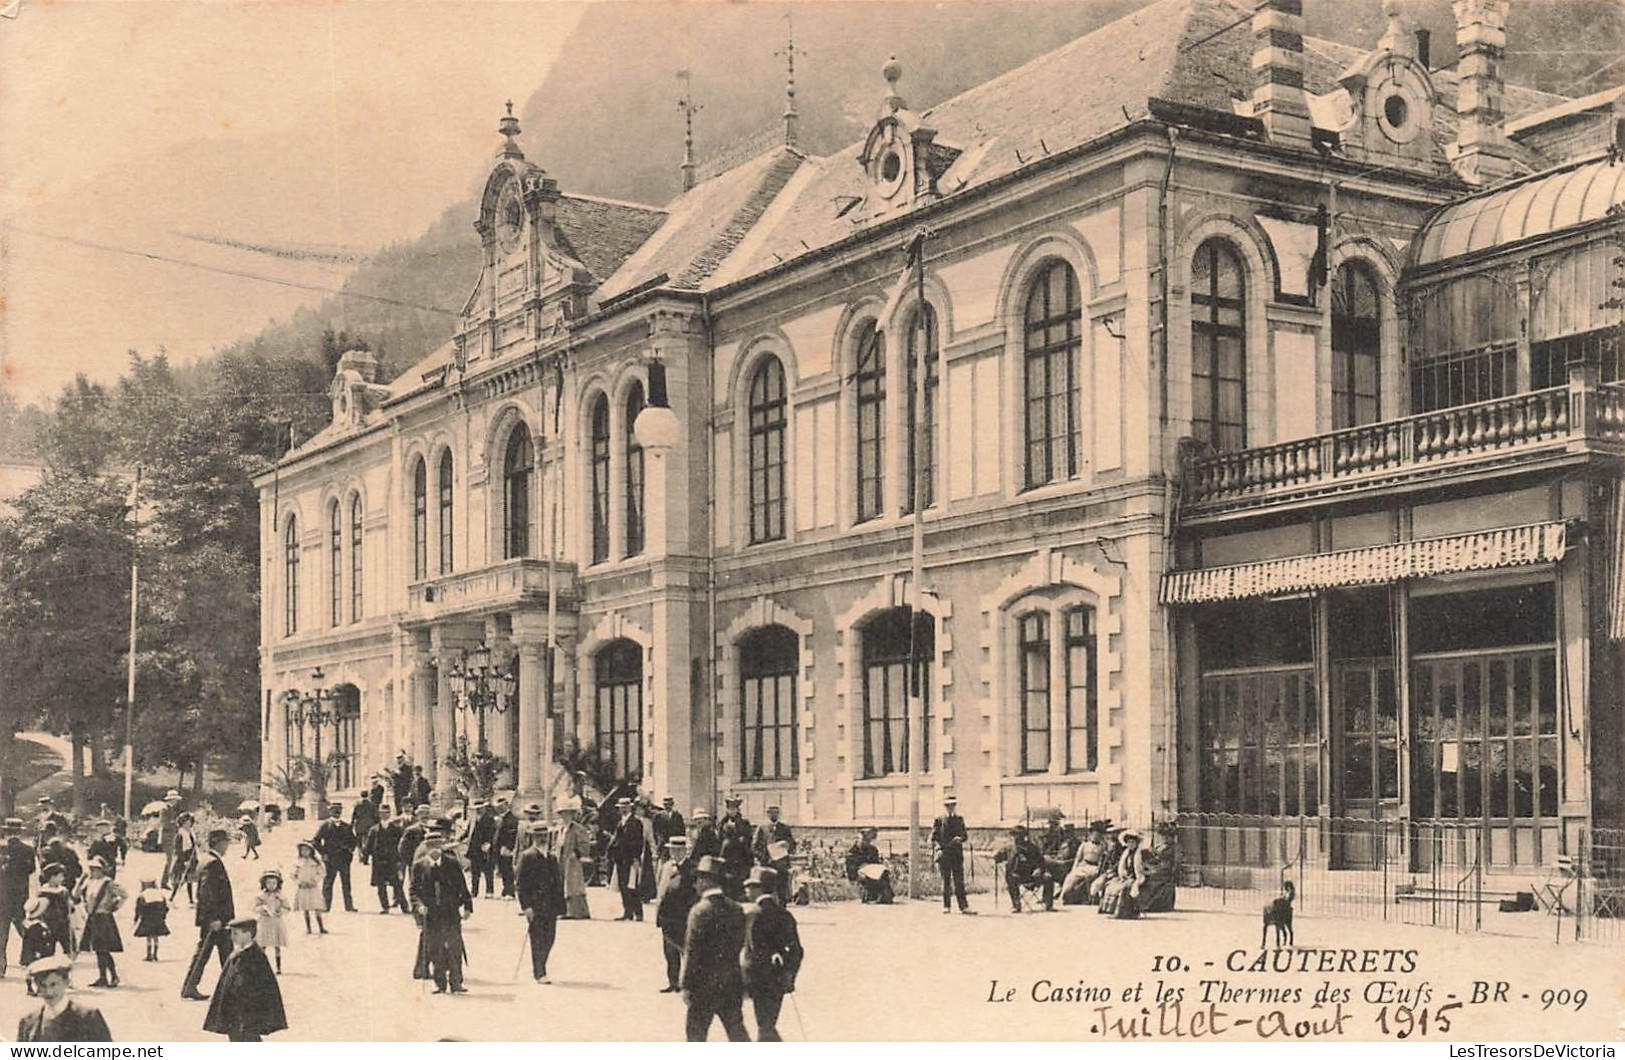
1396 110
891 171
1400 114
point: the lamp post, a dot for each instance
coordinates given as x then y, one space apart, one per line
312 709
480 684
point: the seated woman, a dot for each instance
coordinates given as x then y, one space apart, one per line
1122 895
1075 889
1111 852
866 868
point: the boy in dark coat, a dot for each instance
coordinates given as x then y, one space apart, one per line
247 1001
541 896
772 953
712 983
59 1019
37 937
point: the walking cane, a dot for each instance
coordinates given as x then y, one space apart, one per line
523 945
800 1026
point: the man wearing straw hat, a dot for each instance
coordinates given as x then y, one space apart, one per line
59 1018
441 901
541 896
949 836
675 898
773 846
626 858
712 983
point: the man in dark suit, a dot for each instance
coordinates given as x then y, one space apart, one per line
541 896
336 842
441 902
482 839
214 911
366 814
59 1019
772 954
736 835
626 858
949 836
713 986
676 897
507 845
667 823
247 1001
382 847
421 789
400 783
775 831
706 842
16 869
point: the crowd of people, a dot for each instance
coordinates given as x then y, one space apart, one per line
722 891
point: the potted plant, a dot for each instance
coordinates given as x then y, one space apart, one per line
288 781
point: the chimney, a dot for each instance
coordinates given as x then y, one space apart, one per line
1482 155
1424 48
1278 97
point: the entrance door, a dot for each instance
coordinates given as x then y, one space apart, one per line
1365 712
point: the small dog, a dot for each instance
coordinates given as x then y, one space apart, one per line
1278 914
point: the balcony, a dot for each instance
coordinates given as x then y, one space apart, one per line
1518 432
512 585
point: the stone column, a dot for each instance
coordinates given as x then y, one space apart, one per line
421 677
445 642
497 722
530 637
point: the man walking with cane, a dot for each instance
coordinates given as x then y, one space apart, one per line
772 954
541 896
713 985
214 911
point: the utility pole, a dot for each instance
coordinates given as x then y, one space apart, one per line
129 684
916 678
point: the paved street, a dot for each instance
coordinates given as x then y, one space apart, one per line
895 972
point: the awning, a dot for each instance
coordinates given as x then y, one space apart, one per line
1515 546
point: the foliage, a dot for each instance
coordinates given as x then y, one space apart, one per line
475 774
287 779
587 762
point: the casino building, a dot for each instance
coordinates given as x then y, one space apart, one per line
1268 455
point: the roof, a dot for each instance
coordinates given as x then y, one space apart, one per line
704 225
1525 210
603 233
1567 108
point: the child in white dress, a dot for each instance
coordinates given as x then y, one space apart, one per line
308 874
269 906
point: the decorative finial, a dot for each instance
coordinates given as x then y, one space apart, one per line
689 108
509 128
1398 38
893 72
791 118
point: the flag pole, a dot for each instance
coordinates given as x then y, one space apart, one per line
917 472
129 686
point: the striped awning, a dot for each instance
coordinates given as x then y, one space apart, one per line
1515 546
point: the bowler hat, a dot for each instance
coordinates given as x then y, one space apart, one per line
676 841
765 878
710 866
1100 824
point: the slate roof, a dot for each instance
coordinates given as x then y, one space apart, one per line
603 233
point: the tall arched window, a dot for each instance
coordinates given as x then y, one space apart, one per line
335 565
618 710
290 578
420 521
1052 341
768 658
600 479
767 424
448 561
922 426
870 381
518 461
1356 347
634 473
887 650
1218 348
357 559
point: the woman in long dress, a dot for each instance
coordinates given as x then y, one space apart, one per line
1086 866
573 844
101 898
1122 897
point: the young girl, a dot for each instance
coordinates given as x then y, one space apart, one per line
38 939
269 907
101 898
308 874
251 842
58 905
151 916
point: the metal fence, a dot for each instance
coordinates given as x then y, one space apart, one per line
1599 885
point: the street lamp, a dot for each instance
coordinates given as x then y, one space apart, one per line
313 709
479 684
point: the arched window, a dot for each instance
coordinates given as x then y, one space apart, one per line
767 424
618 713
1218 348
357 556
600 479
335 565
420 521
870 380
290 578
518 461
1052 341
1356 347
768 659
448 561
888 647
922 426
634 473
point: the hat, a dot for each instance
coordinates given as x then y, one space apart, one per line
172 795
533 808
245 923
61 962
14 824
501 800
217 834
701 814
667 798
868 829
482 805
271 874
1100 824
1055 814
335 809
676 841
35 907
710 866
99 862
55 868
950 800
773 806
1018 827
44 800
434 838
732 800
1130 833
765 878
422 810
566 808
305 844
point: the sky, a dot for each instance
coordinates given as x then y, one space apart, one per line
321 129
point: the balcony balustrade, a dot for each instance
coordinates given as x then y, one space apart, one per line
504 586
1503 432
